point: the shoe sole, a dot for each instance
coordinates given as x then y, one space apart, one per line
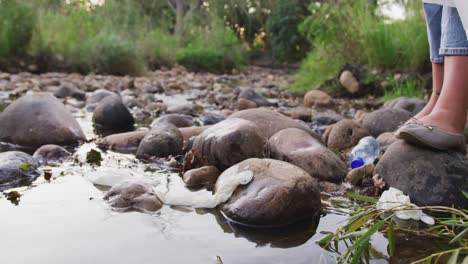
411 138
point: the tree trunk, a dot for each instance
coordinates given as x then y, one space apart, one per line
180 13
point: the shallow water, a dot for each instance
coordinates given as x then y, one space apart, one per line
65 220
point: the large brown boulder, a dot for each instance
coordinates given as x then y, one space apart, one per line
112 114
299 148
39 119
230 142
429 177
279 194
385 120
344 134
270 122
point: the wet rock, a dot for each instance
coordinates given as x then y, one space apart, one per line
349 82
299 148
412 105
112 114
189 132
202 177
386 139
133 196
344 134
302 113
161 142
243 104
96 97
123 142
69 90
270 122
279 194
17 168
51 154
184 109
355 176
230 142
385 120
177 120
430 178
328 117
209 118
156 107
39 119
317 98
250 95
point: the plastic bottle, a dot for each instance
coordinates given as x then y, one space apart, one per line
365 152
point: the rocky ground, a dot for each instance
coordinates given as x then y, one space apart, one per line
216 128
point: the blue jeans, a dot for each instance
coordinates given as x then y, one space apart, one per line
446 34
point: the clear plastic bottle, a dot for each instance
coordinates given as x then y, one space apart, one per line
365 152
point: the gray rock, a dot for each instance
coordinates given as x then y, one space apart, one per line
249 94
178 120
69 90
51 154
17 168
209 118
130 196
279 194
112 114
97 96
184 109
270 122
345 134
39 119
385 120
230 142
430 178
161 142
299 148
413 105
123 142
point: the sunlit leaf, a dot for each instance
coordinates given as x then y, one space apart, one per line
391 239
359 223
357 255
454 257
361 198
324 242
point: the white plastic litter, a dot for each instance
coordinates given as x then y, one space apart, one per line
394 199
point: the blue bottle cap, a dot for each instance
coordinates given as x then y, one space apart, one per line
356 163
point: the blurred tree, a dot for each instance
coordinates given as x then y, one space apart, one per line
183 9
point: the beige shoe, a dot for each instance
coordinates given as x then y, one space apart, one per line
431 136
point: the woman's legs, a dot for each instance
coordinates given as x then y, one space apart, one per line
437 82
449 112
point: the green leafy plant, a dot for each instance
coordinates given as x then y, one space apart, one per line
408 88
367 220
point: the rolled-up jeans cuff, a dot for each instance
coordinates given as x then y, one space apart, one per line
453 51
437 60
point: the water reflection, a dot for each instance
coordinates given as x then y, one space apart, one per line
282 237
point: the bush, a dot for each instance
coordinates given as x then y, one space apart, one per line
199 58
16 27
350 32
158 49
287 44
110 54
211 48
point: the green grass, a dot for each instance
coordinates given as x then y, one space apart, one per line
16 27
349 32
409 88
121 37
